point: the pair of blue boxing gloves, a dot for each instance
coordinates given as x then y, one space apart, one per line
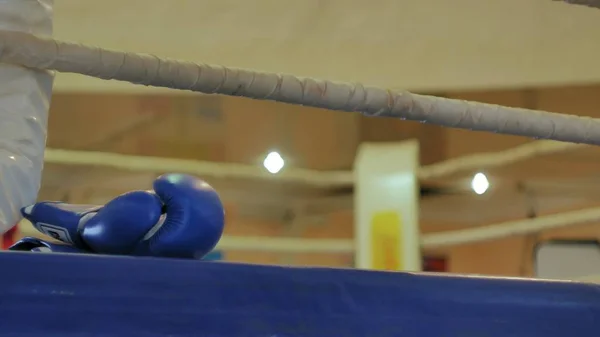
182 217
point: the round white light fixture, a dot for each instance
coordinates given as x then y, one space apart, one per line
273 162
480 183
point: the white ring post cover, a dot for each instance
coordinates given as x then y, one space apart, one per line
386 206
24 101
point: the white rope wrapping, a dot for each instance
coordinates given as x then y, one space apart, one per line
472 162
42 53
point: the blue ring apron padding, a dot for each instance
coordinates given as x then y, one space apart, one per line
56 295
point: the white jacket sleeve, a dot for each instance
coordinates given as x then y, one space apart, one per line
24 101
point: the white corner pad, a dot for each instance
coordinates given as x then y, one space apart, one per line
24 101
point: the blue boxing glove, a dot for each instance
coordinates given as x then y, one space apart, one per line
183 217
30 244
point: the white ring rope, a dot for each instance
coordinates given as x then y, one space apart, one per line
43 53
428 241
50 54
323 178
303 176
589 3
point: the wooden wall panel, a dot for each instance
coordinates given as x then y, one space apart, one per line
431 137
580 100
505 257
193 127
511 256
241 130
307 137
84 121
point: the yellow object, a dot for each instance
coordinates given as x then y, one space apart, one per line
386 241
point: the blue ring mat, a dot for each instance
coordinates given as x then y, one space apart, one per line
62 295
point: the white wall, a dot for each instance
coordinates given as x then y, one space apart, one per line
408 44
568 260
